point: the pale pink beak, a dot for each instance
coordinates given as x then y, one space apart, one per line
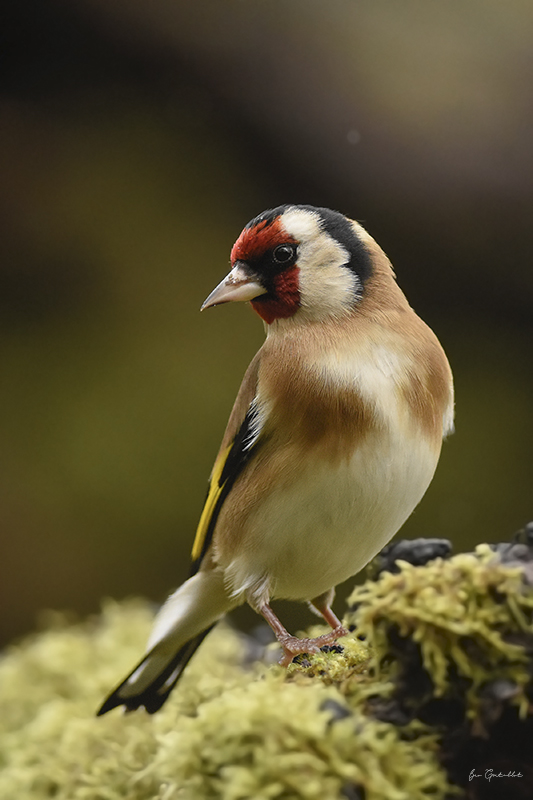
239 285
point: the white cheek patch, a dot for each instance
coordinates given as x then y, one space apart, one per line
327 286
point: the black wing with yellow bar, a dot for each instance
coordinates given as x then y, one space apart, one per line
228 467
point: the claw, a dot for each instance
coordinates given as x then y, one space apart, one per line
292 646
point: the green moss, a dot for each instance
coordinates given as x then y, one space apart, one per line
461 612
235 730
227 731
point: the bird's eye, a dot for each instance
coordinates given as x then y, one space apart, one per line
283 253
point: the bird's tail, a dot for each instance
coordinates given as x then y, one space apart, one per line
180 627
158 689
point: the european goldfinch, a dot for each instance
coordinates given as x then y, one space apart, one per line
333 439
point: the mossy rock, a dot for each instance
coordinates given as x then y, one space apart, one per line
435 681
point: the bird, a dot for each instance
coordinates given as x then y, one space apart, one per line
333 439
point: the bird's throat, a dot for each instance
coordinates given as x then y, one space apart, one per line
283 300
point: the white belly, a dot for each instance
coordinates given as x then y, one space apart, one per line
327 525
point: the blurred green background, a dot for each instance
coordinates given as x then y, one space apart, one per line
137 137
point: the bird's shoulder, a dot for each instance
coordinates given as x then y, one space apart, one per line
245 397
235 450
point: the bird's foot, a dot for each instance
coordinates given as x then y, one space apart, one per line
292 646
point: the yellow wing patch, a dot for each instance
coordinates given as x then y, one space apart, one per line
213 494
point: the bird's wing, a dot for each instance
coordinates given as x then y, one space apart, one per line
238 444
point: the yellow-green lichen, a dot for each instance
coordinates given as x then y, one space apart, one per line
235 731
226 732
459 612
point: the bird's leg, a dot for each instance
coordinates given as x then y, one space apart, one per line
291 645
322 604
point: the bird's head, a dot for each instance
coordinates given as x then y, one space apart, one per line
297 261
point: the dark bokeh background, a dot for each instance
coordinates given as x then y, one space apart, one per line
136 139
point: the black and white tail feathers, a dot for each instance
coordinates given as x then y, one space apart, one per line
155 693
179 628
